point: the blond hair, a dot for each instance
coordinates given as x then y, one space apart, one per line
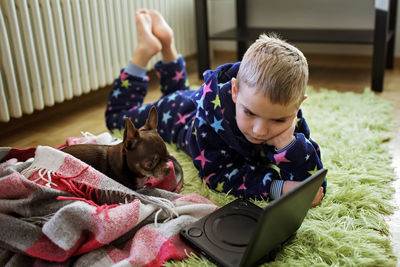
277 68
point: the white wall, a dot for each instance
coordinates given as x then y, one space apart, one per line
340 14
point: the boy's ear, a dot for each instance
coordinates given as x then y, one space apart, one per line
131 134
234 90
304 98
152 119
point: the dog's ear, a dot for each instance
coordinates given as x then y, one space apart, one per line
131 134
152 119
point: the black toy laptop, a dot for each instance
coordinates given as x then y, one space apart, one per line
243 234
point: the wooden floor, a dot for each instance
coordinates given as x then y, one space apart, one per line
343 73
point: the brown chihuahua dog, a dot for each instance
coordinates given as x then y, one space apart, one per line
141 155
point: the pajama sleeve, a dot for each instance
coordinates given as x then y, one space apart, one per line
301 158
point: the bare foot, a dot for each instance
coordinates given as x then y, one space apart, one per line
160 28
148 45
165 34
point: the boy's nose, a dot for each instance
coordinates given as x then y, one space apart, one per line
260 129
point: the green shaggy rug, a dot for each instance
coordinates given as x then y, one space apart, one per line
348 228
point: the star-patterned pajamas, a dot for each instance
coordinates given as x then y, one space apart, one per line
202 123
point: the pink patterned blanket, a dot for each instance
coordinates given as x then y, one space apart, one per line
57 210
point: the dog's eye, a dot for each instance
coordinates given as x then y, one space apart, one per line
150 164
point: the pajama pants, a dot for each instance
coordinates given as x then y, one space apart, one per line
175 108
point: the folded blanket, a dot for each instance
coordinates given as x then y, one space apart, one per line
56 209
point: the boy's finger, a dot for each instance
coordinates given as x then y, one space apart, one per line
318 197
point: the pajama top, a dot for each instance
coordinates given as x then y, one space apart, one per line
202 123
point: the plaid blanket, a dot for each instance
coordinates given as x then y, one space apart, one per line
57 210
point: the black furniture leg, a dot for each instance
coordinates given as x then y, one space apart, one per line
392 32
202 37
379 53
242 47
241 22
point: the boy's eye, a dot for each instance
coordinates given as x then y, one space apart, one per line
248 112
280 120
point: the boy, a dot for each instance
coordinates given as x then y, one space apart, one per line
243 128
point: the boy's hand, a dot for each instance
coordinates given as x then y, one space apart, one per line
284 138
289 185
318 197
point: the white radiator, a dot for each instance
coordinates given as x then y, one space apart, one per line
52 50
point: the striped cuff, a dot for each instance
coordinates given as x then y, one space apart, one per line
276 189
286 147
135 70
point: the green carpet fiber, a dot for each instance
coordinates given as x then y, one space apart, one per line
348 228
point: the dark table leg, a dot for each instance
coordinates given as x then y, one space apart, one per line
392 30
241 22
202 37
379 56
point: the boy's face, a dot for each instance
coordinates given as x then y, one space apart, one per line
257 118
